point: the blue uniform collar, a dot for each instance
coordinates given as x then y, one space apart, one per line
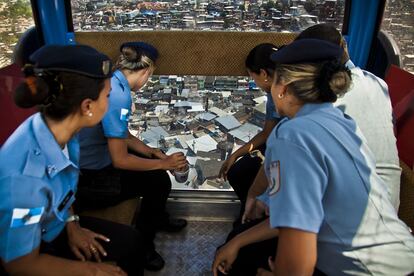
56 160
122 79
311 107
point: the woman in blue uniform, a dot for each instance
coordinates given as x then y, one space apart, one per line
117 166
39 233
328 207
242 173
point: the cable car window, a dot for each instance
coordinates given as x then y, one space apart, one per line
398 23
15 17
206 118
277 16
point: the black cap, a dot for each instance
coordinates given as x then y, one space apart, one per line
307 50
80 59
142 47
28 43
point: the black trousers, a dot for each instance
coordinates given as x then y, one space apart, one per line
125 247
256 255
153 186
242 174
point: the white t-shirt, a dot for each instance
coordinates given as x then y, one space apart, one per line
368 103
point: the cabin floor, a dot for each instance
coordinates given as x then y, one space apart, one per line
191 251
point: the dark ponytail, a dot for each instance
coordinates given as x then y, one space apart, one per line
32 91
56 94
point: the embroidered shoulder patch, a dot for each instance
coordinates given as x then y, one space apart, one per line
274 183
24 216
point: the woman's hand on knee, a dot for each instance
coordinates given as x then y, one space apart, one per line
84 243
225 257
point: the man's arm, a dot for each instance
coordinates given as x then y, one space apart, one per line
257 233
296 252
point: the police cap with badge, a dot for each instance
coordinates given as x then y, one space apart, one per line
50 60
79 59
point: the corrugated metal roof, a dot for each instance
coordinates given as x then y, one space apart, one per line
142 101
206 116
185 92
246 132
161 108
154 134
196 108
261 99
217 111
229 122
183 140
261 108
186 104
203 143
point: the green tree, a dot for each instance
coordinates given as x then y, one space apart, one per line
20 8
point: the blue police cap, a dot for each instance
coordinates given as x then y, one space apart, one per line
80 59
307 50
142 47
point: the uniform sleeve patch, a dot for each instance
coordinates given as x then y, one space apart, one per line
124 114
23 216
274 181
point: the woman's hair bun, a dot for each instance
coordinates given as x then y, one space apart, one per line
33 91
130 54
334 80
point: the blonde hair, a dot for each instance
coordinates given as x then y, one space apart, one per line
315 82
132 60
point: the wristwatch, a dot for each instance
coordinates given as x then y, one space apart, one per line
73 218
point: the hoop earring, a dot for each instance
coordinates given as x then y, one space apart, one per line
280 96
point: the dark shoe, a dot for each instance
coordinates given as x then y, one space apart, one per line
153 261
173 225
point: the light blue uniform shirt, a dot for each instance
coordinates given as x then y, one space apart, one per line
322 179
93 141
271 112
37 187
